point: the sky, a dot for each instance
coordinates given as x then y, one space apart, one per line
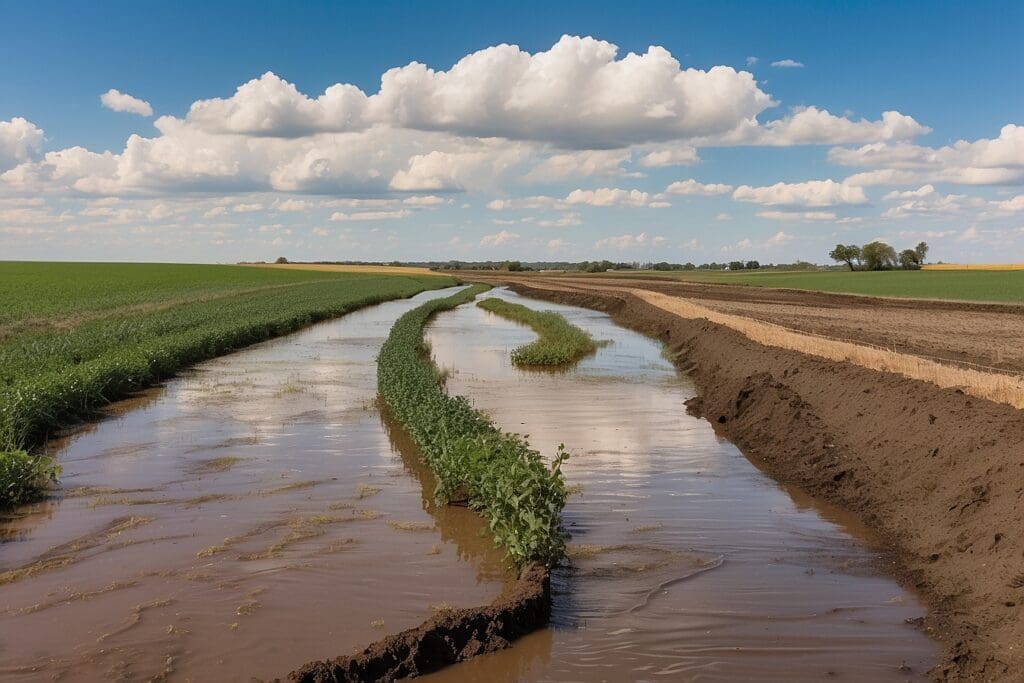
675 131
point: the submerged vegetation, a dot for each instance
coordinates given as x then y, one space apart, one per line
498 474
23 476
76 336
559 342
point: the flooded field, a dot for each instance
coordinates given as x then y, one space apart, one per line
687 563
249 516
258 512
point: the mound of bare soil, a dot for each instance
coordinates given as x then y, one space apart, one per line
446 638
939 474
981 333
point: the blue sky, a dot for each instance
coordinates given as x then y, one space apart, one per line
563 149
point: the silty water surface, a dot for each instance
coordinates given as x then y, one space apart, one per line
247 517
687 562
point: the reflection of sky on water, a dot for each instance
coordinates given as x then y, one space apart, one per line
795 596
297 574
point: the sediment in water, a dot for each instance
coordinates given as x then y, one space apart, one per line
448 637
937 473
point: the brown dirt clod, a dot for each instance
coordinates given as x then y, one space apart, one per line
448 637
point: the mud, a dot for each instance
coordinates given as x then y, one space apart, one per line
686 562
938 475
223 527
449 637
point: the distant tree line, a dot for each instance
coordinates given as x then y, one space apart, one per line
605 265
583 266
879 256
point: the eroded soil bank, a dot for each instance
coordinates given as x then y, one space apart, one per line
982 333
938 474
450 637
686 562
252 515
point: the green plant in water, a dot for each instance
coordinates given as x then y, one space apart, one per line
23 476
559 342
496 473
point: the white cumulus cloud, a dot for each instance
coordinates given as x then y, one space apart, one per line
499 238
813 193
692 187
804 216
672 156
625 241
608 196
20 141
987 161
814 126
340 216
115 100
1015 204
578 94
788 64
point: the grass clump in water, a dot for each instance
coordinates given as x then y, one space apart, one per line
559 343
410 526
221 464
502 478
23 476
365 491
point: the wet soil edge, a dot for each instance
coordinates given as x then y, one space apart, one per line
937 474
447 638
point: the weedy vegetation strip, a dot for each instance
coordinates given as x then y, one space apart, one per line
76 336
498 474
559 343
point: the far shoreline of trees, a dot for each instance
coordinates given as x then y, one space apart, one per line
879 256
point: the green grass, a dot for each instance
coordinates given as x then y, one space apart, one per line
1004 286
558 343
502 478
75 336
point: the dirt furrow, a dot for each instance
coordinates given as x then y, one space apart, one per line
938 473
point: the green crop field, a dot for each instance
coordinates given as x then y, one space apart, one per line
1006 286
74 336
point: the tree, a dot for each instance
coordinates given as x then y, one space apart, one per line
752 265
735 265
878 256
281 259
848 254
921 250
910 260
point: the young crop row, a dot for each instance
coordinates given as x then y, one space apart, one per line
560 342
497 473
54 377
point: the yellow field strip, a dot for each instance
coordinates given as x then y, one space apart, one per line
973 266
992 384
988 385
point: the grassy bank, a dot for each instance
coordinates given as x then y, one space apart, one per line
559 342
498 474
75 336
1002 286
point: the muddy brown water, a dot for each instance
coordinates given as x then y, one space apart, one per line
246 518
688 563
258 512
